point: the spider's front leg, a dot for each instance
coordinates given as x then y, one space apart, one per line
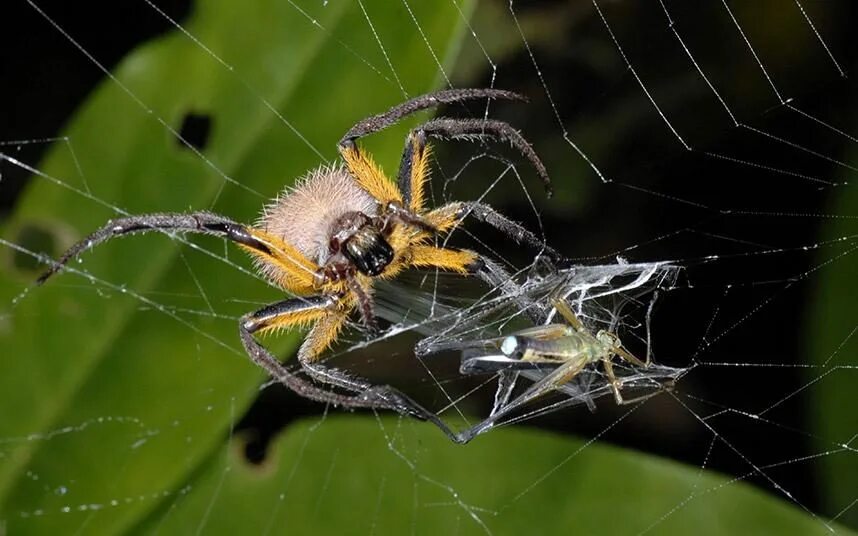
413 168
292 270
194 222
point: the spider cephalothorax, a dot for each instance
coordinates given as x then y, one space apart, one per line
326 239
360 243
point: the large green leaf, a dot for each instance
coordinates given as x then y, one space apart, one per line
350 475
833 347
149 392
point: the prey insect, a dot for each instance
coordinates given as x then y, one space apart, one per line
340 229
566 348
556 354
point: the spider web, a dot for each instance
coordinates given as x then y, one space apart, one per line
703 155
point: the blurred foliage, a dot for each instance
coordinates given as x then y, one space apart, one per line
832 346
110 398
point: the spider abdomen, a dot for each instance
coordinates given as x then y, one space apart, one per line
306 213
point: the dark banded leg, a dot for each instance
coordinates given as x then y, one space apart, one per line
513 229
262 357
415 145
381 121
467 129
486 129
363 394
195 222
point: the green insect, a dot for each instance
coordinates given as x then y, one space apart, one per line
554 355
570 348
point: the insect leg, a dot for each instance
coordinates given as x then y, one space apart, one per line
550 382
567 314
617 385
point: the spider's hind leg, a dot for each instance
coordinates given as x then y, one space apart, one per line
363 394
366 394
294 310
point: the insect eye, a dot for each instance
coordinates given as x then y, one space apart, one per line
334 244
510 346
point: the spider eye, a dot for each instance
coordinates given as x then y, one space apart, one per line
368 251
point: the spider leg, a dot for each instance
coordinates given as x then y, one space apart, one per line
368 175
414 171
320 337
413 167
452 260
200 222
430 100
297 271
300 310
296 310
486 129
452 214
468 262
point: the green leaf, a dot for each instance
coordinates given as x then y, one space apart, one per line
112 392
832 346
352 475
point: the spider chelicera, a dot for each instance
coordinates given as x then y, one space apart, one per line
340 227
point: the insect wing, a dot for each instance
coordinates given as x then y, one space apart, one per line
488 363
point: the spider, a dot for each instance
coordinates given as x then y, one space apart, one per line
327 239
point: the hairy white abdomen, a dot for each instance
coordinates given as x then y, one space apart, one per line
304 214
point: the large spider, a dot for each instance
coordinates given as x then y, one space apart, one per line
340 227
